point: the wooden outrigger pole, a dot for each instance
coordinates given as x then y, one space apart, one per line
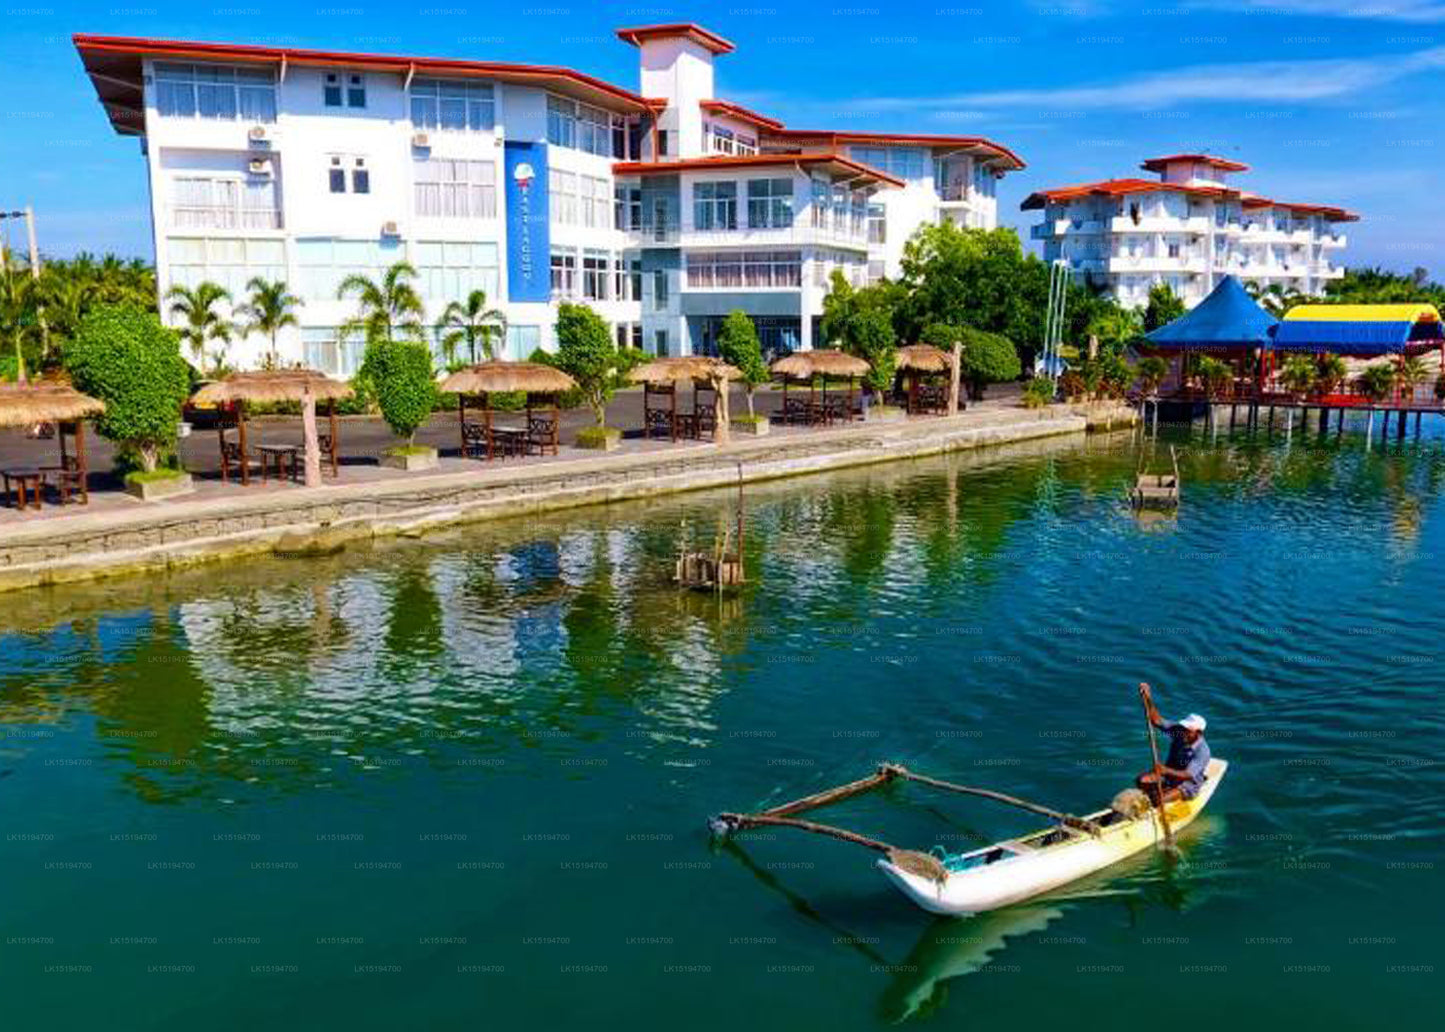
784 815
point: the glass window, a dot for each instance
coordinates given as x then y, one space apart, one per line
360 176
448 188
715 206
745 269
659 289
522 341
450 271
331 92
903 162
336 176
229 262
595 285
627 207
770 203
562 197
564 274
325 261
326 350
215 92
356 91
450 104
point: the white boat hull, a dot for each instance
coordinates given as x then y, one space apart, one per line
1024 872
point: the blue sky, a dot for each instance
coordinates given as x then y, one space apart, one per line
1330 101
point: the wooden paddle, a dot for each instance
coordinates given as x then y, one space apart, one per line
1158 771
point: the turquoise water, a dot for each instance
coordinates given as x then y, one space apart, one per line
462 783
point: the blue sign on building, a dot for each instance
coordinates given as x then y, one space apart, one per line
529 248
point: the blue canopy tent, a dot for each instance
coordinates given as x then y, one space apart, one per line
1227 320
1361 330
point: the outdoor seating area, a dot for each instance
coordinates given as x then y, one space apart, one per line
661 378
287 460
816 368
48 410
508 434
923 370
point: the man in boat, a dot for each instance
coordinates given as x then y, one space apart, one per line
1183 769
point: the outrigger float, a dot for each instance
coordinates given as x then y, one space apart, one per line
1005 872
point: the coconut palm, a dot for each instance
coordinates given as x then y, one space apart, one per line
472 323
1298 374
386 308
1275 299
269 309
19 305
203 324
1410 374
1331 374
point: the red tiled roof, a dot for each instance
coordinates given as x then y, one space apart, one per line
737 111
624 168
676 30
1124 187
1224 164
835 138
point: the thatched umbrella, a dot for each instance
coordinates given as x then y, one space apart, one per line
916 359
487 378
25 404
823 362
697 369
304 385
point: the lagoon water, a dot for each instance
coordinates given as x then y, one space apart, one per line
462 783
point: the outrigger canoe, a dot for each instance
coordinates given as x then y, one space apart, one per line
1019 869
1005 872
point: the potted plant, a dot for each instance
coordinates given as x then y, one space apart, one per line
126 358
586 353
739 346
401 377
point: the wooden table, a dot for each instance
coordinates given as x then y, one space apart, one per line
23 480
509 440
281 454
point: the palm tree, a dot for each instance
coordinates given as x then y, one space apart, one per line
386 308
197 306
471 322
1275 299
19 306
269 308
1298 374
1410 374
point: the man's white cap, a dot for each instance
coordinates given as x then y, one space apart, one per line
1193 722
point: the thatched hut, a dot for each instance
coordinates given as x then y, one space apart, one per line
304 385
812 366
474 387
917 362
29 404
660 377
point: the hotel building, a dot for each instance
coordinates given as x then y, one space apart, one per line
664 209
1188 228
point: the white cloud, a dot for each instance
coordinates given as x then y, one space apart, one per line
1299 81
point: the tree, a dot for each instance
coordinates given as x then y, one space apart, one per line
19 313
739 346
1332 373
471 323
387 309
400 374
1151 371
1410 374
1275 299
1162 308
1298 374
586 353
126 358
203 324
988 358
861 322
270 308
1115 326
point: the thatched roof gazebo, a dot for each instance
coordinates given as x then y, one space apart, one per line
820 363
662 375
304 385
26 404
917 361
487 378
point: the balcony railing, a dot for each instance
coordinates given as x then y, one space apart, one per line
672 234
224 217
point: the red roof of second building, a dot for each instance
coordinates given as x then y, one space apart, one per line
623 168
1224 164
1124 187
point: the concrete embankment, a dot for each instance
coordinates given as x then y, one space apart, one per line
85 546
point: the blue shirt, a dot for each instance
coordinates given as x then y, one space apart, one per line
1183 756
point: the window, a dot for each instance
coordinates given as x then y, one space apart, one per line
662 143
562 196
715 206
449 271
445 104
627 274
328 351
770 203
228 262
903 162
325 261
629 335
877 224
455 189
822 203
586 128
659 342
659 290
745 144
336 171
355 91
744 269
215 91
594 275
331 91
522 341
209 202
564 274
627 207
360 177
336 175
592 202
720 140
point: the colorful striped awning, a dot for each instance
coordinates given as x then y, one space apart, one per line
1360 329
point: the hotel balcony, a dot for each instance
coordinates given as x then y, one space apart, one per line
223 217
1198 224
1333 240
1157 263
850 236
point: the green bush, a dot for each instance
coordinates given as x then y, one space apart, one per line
1038 392
739 346
1377 381
1298 374
137 476
126 358
596 436
401 374
987 358
586 353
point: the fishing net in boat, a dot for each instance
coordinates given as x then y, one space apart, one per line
921 864
1130 803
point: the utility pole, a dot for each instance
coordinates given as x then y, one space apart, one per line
28 214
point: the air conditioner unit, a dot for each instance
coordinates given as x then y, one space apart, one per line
421 140
259 166
390 229
259 134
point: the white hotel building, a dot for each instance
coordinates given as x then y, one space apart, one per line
1189 228
664 209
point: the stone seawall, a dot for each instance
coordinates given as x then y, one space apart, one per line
93 545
